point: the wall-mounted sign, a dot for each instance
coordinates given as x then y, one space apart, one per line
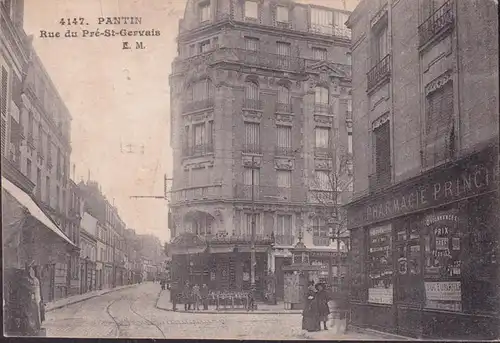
443 291
380 295
472 176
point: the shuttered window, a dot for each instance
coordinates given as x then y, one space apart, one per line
199 134
283 48
319 228
319 54
284 136
47 190
247 176
322 137
247 224
283 95
211 132
284 225
251 44
322 179
382 147
379 47
439 125
252 91
321 95
284 178
252 136
205 13
321 21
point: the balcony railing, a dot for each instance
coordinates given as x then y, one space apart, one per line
284 151
283 24
320 108
198 105
284 239
252 149
283 108
197 150
239 239
441 20
323 151
380 72
197 193
269 193
252 104
330 30
321 241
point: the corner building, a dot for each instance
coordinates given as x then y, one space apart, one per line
259 88
424 216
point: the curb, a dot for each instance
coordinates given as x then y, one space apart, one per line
224 312
85 299
385 335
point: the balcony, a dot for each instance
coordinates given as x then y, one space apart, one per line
283 108
325 152
439 22
243 239
330 30
197 150
284 239
252 104
197 193
198 105
283 24
320 108
321 241
269 193
379 73
252 149
284 151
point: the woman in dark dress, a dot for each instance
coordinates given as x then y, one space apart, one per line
310 314
324 310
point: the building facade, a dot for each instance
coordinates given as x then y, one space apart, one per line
35 149
260 96
424 215
88 254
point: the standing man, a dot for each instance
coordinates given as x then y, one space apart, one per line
204 296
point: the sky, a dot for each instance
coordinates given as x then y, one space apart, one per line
117 97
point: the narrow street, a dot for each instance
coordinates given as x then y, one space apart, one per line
131 313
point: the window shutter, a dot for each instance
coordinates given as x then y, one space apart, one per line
383 151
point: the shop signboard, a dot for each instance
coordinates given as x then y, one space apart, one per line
443 291
380 295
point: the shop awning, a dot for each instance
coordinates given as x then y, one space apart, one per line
26 201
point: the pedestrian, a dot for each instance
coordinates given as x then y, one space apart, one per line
204 296
323 297
310 314
339 304
186 296
162 284
196 297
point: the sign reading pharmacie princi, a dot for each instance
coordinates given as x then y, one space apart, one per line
470 177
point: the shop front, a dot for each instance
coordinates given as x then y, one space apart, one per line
424 253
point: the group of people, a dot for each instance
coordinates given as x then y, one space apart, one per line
317 307
194 296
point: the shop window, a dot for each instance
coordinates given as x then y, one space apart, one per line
442 269
380 267
357 256
408 264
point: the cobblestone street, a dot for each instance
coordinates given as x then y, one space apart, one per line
131 313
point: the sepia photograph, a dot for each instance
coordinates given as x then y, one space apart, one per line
250 169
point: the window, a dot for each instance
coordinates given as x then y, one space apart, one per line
283 140
3 106
251 44
198 135
205 13
283 95
322 179
349 142
58 205
321 95
349 59
63 205
320 228
204 46
252 137
380 271
252 91
40 138
201 90
211 133
30 123
251 10
382 153
320 54
282 14
38 183
439 125
321 21
322 137
28 168
283 50
191 50
247 176
379 46
284 178
284 225
339 20
247 224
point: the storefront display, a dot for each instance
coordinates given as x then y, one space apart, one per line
380 290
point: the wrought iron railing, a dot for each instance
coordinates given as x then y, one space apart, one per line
284 239
321 108
239 239
269 193
442 19
330 30
197 150
283 107
198 105
252 148
252 104
380 72
321 241
197 193
283 24
323 151
283 151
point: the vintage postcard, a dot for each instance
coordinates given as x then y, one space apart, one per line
250 169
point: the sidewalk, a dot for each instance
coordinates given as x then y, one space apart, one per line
60 303
163 303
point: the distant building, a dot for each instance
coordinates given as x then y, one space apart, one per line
425 210
88 253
